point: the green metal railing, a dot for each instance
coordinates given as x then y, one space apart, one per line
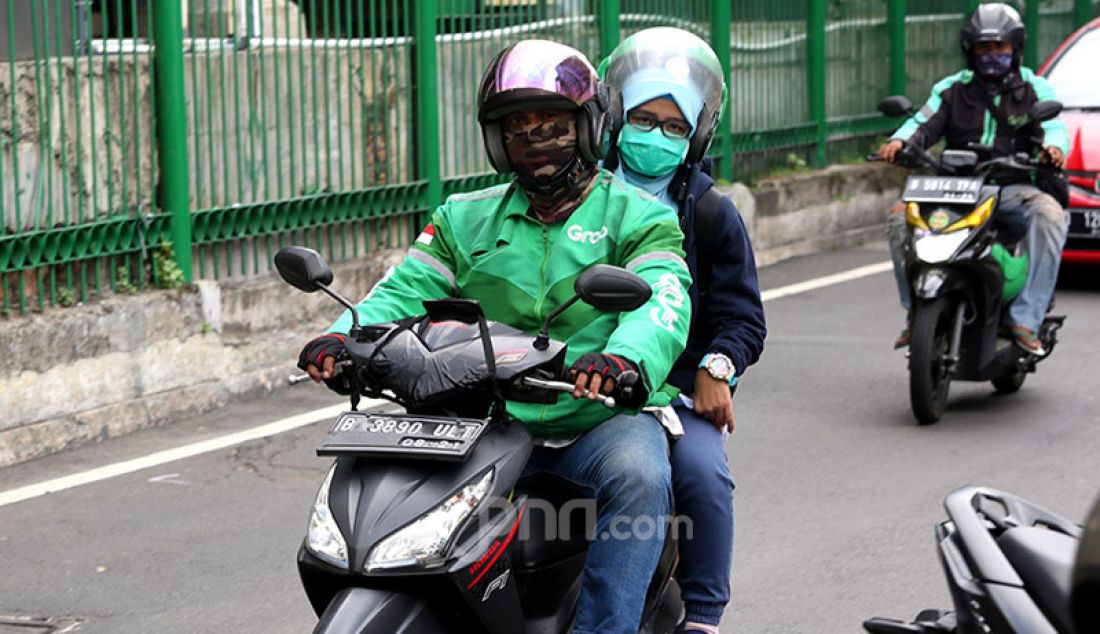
227 133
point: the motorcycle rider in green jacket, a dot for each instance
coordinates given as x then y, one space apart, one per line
967 107
517 249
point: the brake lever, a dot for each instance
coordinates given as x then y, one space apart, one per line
295 379
562 386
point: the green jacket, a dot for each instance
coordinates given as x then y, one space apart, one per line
485 246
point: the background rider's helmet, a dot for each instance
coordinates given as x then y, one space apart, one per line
997 22
542 74
667 61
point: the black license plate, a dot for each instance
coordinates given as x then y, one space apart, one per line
1084 223
440 438
955 190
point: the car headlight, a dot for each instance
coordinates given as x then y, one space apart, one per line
325 539
424 542
939 247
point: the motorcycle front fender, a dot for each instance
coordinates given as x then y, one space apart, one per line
933 282
369 611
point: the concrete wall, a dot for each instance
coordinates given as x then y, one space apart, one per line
86 373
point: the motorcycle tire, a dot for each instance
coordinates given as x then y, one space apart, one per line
1010 383
929 381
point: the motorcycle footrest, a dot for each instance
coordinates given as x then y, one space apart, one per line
927 622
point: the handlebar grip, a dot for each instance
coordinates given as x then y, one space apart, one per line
871 158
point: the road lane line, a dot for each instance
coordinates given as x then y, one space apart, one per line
828 280
171 455
294 422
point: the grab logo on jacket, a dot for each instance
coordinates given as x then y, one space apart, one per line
670 296
576 233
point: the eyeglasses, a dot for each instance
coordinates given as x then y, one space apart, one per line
672 128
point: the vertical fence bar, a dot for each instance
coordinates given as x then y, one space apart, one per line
1082 12
815 54
720 18
609 26
427 105
172 127
1031 47
895 20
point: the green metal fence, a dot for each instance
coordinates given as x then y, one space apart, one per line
228 128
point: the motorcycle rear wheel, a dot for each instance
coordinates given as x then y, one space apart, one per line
929 381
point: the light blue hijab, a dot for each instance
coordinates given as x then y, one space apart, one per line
645 85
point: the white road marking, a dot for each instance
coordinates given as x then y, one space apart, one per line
294 422
171 455
168 478
828 280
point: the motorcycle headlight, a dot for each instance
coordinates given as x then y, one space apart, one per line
325 539
424 542
939 247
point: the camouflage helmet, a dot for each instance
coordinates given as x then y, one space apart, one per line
541 74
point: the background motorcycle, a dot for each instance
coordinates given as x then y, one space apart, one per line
957 255
419 525
1011 567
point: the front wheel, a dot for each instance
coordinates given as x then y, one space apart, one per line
929 379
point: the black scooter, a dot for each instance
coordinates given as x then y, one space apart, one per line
1012 567
419 526
956 258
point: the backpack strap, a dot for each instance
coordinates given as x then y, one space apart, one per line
708 212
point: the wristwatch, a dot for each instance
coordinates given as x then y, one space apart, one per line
720 367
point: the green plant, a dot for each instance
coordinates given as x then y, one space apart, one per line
122 282
795 161
65 297
207 328
168 272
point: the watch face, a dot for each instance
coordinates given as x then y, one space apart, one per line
720 367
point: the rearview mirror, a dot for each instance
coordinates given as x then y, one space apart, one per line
612 289
604 287
896 106
1045 110
302 268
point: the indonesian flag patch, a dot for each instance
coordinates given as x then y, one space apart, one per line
427 235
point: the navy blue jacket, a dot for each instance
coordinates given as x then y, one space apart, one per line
731 319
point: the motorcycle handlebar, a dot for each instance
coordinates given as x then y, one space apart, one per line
546 384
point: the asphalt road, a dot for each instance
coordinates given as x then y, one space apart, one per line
838 488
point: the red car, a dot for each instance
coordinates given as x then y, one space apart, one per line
1072 72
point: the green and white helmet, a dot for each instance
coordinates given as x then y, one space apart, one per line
666 61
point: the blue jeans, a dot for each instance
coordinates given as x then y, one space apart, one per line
703 490
624 464
1047 225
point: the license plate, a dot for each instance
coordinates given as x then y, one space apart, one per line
404 435
1084 223
943 189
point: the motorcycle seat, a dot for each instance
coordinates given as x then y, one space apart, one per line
1044 560
546 535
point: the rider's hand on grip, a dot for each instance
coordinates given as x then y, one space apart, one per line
318 358
608 374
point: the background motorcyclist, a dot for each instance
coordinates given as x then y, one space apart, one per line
517 249
671 87
987 104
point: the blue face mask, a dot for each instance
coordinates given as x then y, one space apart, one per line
994 65
651 153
